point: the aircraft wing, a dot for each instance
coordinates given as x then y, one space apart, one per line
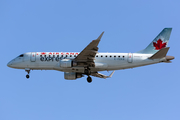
88 54
96 74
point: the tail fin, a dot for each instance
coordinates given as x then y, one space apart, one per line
161 41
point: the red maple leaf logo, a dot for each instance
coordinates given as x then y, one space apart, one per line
159 45
43 53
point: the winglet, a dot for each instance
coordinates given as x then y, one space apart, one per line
99 38
111 74
160 54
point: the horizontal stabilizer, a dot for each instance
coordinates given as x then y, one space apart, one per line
160 54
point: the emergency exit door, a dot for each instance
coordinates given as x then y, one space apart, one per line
130 58
33 57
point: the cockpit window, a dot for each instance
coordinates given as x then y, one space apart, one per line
22 55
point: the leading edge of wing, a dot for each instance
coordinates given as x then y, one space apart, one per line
99 38
89 52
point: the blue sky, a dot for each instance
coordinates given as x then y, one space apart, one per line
144 93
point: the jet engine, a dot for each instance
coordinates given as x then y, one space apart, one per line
67 63
72 75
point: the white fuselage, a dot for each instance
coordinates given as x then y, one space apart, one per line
89 62
103 61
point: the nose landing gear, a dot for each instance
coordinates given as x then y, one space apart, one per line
28 71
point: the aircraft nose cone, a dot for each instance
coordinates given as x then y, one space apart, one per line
9 64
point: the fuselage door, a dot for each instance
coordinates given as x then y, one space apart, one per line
33 57
130 58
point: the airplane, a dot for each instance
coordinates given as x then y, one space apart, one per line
89 61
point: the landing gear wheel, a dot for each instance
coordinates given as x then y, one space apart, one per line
27 76
89 79
28 71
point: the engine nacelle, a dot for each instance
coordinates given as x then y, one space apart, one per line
72 75
67 63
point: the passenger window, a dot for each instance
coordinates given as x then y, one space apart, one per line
118 56
106 55
110 56
96 55
70 55
74 55
61 55
101 56
123 56
114 56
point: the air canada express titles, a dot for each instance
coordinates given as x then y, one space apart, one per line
57 53
56 56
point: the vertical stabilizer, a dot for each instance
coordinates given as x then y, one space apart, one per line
161 41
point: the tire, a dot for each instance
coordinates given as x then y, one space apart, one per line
89 79
27 76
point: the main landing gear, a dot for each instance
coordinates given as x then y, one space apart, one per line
89 79
87 71
28 71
